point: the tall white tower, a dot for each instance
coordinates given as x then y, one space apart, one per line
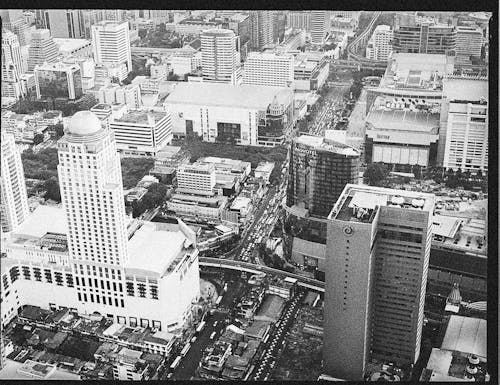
218 56
14 199
111 43
320 21
92 195
11 53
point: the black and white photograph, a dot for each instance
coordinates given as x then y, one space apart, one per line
249 194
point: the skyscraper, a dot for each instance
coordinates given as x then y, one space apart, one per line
12 66
378 247
111 44
320 21
218 56
261 29
65 23
319 170
380 44
469 43
42 49
14 199
13 20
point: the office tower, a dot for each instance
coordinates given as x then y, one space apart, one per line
320 23
14 199
111 45
42 49
269 69
218 56
380 44
58 80
279 26
261 29
65 23
378 246
469 43
299 20
412 35
465 131
13 20
11 52
117 15
198 179
319 170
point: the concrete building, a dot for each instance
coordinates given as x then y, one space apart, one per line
299 20
142 133
261 29
247 115
380 44
401 135
218 56
65 23
14 200
310 71
111 44
320 21
130 95
42 49
378 248
58 80
12 66
465 131
412 35
71 257
74 47
197 179
13 20
470 41
269 69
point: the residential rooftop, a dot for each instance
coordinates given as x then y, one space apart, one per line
227 95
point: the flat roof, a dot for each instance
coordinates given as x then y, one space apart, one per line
42 220
465 89
140 117
240 202
466 335
403 120
152 249
227 95
321 143
71 44
445 226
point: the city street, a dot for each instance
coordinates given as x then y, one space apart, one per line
329 114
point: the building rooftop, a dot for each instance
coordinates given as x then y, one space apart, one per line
240 203
359 203
459 233
140 117
322 144
154 250
471 90
45 219
227 95
68 45
403 120
466 335
271 308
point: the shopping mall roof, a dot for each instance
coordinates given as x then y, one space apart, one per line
227 95
403 120
466 335
153 250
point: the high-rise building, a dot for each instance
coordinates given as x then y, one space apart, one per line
42 49
198 179
111 44
412 35
65 23
269 69
261 29
218 56
378 248
319 26
58 80
299 20
14 199
469 43
12 66
465 131
319 170
380 44
13 20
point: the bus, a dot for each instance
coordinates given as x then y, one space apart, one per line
212 335
200 326
218 300
185 350
225 287
176 362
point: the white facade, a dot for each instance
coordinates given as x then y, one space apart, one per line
219 61
466 129
14 199
111 43
469 43
196 179
11 53
299 20
319 26
269 69
130 95
380 44
42 49
142 133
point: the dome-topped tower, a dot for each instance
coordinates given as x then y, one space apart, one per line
84 123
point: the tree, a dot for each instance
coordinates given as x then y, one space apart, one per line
375 173
37 139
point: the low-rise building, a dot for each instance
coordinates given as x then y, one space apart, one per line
310 71
264 170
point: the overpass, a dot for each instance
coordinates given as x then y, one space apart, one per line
252 268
